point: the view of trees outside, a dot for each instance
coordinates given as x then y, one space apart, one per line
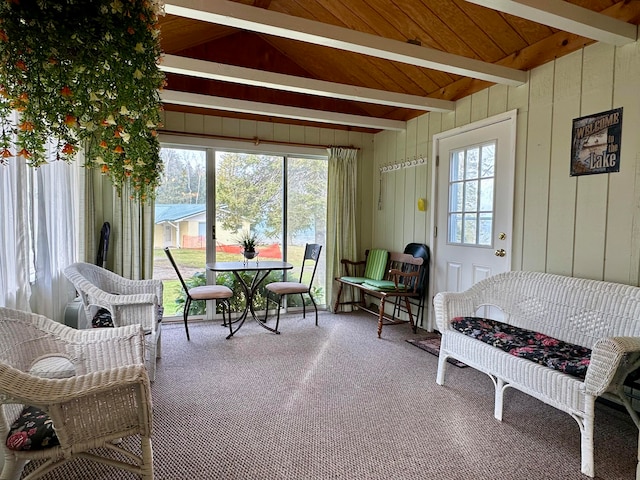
471 195
249 195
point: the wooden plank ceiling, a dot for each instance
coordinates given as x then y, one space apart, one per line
457 27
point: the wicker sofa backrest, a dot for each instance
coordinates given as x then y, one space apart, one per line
575 310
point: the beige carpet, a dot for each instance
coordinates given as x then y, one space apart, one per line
336 402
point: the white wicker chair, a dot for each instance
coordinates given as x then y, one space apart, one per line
106 398
128 302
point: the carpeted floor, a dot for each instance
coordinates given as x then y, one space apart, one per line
336 402
431 344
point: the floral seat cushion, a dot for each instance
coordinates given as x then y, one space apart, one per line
551 352
102 318
33 430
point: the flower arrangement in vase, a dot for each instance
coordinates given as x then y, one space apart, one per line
248 240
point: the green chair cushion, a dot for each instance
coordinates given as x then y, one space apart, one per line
354 279
383 285
376 264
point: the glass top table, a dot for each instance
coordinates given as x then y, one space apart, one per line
261 270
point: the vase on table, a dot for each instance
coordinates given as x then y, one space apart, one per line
250 255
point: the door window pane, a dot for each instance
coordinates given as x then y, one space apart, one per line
471 189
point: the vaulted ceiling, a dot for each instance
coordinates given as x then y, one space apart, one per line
367 65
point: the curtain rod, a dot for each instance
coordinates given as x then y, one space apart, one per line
255 140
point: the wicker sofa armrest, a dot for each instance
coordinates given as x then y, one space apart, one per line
448 305
126 285
76 405
612 359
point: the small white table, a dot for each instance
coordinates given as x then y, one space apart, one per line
261 271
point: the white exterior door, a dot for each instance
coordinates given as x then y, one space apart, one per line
474 202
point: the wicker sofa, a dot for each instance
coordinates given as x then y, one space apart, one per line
562 340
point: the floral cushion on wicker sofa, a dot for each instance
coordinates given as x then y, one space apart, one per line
534 346
33 430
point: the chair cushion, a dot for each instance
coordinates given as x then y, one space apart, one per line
102 318
376 264
383 284
282 288
207 292
354 279
551 352
32 430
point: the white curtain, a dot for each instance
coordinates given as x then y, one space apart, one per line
56 234
37 234
341 214
15 267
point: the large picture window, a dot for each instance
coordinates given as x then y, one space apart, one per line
209 197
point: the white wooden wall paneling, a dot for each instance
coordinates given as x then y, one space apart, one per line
410 195
621 243
281 132
463 111
194 123
536 206
562 187
518 98
498 95
231 127
264 130
423 188
592 193
212 125
479 105
399 205
174 121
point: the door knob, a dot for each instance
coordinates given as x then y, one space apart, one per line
501 252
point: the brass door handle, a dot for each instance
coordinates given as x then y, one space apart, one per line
501 252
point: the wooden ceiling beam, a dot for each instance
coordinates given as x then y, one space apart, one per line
567 17
257 108
260 78
268 22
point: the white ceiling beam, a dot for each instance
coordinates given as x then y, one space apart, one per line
569 18
237 15
281 111
290 83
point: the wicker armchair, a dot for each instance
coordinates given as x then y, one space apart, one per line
123 301
104 395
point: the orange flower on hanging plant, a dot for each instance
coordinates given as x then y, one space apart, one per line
118 149
6 153
104 169
24 153
26 126
66 92
70 121
69 149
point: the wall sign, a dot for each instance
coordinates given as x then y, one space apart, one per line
595 143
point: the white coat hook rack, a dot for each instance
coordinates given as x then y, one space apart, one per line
405 163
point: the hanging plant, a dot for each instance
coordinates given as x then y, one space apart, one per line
96 88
